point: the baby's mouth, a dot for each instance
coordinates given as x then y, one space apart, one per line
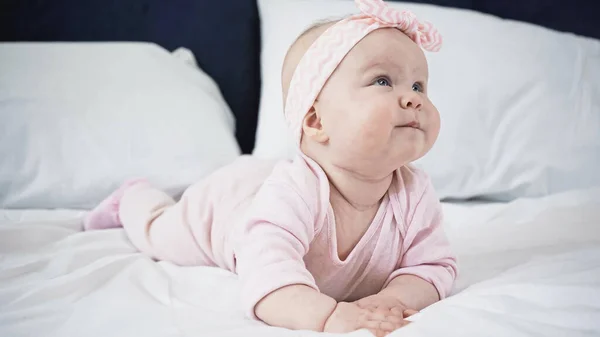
413 124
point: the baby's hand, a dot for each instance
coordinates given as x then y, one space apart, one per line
385 303
348 317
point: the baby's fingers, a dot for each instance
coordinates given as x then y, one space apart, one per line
409 312
384 327
398 311
376 328
391 326
377 315
394 319
378 333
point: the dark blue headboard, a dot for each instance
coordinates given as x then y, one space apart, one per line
224 35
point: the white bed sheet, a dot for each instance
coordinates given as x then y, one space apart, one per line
528 268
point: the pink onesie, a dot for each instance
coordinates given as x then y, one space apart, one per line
271 223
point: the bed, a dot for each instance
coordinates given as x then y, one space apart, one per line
84 91
529 268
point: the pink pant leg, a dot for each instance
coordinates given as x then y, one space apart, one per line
160 227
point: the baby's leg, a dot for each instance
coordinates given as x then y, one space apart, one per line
154 223
160 227
106 214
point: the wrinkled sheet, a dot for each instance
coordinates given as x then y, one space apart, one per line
530 267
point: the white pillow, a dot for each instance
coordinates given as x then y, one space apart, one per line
76 119
520 104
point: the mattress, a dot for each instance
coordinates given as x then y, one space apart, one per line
530 267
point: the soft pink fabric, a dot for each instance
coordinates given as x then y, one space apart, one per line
106 214
272 224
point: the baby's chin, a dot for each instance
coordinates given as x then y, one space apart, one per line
381 159
408 151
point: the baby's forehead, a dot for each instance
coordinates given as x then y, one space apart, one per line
387 46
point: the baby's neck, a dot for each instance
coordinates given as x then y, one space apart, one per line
349 189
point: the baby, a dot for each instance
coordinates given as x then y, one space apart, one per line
348 234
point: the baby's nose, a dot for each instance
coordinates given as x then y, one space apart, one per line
411 100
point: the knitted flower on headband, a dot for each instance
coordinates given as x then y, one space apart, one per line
423 33
319 61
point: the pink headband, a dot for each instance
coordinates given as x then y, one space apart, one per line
326 53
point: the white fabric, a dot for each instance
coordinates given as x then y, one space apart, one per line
529 267
76 119
520 104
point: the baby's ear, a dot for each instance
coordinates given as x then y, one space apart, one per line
313 126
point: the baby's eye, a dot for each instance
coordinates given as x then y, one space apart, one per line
383 81
417 87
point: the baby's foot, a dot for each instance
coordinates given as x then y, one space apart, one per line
106 214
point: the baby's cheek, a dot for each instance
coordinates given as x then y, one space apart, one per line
373 132
433 123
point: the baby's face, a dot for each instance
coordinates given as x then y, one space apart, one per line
375 107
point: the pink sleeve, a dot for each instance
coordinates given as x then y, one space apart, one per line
427 252
270 248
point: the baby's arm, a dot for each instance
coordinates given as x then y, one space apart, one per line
411 292
269 250
428 267
296 307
